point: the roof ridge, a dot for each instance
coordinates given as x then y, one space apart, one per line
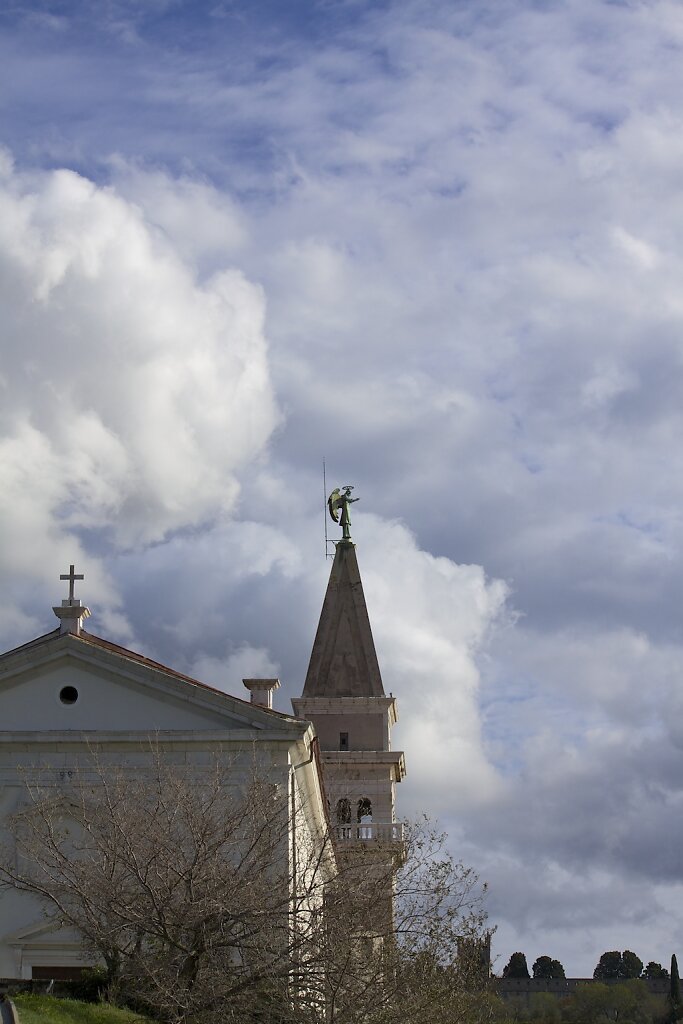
126 652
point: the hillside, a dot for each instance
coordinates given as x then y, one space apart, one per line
35 1009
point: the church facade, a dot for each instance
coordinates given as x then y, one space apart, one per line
69 692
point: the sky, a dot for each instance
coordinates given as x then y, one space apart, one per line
438 244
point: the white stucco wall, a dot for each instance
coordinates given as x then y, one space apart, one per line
43 739
105 701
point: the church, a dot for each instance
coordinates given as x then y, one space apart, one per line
66 692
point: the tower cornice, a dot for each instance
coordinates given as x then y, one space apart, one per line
306 707
394 759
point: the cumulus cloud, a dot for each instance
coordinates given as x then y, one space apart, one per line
204 225
132 393
430 618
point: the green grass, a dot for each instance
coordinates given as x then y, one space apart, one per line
48 1010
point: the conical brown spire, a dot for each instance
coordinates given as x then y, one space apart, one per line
343 661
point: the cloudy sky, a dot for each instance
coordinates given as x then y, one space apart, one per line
439 244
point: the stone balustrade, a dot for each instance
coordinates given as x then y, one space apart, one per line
381 831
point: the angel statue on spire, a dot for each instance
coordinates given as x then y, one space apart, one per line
338 504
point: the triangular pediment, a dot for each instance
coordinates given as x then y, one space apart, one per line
113 689
344 661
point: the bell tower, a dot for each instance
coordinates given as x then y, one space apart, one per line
344 698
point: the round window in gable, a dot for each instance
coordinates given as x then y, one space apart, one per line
68 695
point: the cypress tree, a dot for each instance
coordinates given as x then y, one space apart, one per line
517 967
675 989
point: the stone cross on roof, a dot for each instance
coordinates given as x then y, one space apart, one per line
72 576
71 612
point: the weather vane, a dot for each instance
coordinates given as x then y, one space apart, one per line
338 504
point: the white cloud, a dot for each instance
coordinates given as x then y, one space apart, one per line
430 618
133 395
203 224
227 673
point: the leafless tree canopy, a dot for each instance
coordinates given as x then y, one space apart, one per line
190 891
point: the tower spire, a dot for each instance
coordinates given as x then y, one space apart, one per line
344 697
343 660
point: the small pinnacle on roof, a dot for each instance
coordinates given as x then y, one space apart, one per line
262 690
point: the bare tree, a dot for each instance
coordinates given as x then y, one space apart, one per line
209 901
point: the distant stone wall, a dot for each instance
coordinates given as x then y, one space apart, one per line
523 988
